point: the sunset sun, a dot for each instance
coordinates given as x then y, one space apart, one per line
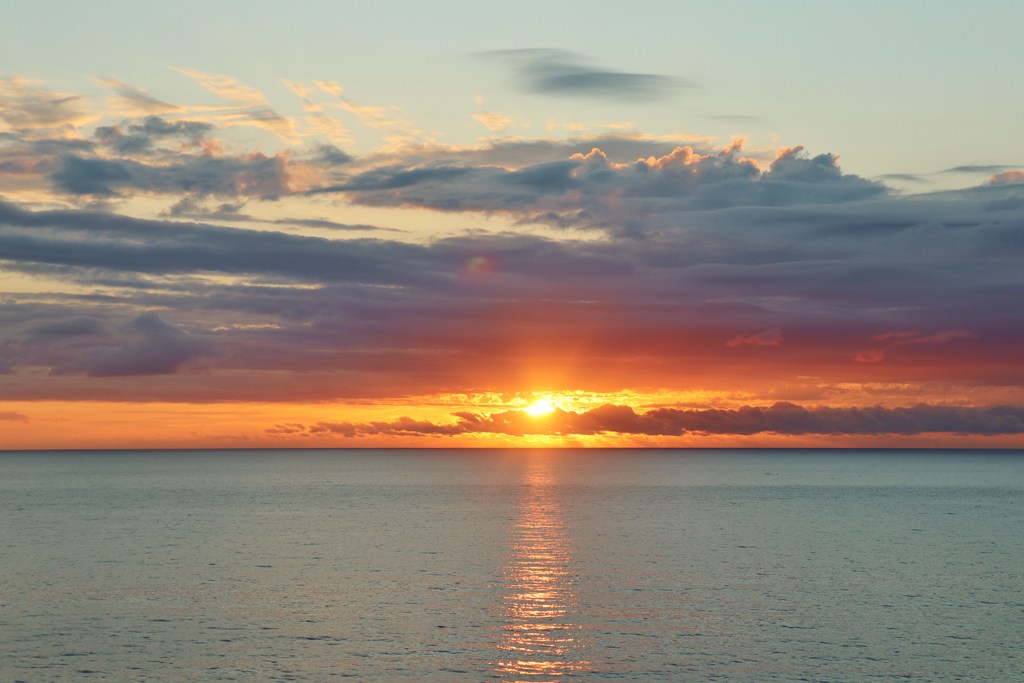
540 407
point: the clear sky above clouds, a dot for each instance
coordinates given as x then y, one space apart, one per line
671 223
893 87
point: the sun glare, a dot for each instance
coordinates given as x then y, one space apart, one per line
541 406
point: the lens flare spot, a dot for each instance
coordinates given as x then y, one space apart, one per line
479 268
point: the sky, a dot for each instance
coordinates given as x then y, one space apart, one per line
679 224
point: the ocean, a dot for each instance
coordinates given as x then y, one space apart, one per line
512 565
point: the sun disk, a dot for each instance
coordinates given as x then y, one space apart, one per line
541 407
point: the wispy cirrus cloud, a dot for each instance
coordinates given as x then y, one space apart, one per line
317 119
380 118
249 106
130 100
32 110
226 87
192 208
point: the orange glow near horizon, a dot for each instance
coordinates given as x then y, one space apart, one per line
440 420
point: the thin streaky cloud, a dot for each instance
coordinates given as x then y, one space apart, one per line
226 87
781 418
564 73
132 101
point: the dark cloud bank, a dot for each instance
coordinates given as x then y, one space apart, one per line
780 418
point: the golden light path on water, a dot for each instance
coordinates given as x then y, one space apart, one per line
540 641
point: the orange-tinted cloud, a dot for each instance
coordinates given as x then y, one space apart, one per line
28 107
943 337
227 87
769 337
780 418
870 356
132 101
492 120
1006 178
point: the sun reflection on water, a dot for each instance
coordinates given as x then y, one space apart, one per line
540 641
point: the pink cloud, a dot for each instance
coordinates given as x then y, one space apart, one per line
944 337
769 337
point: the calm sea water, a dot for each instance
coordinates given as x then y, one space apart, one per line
512 566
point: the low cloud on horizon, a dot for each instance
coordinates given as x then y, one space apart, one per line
778 419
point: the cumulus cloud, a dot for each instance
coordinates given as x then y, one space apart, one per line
592 190
139 138
559 72
514 152
779 418
152 155
1007 178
